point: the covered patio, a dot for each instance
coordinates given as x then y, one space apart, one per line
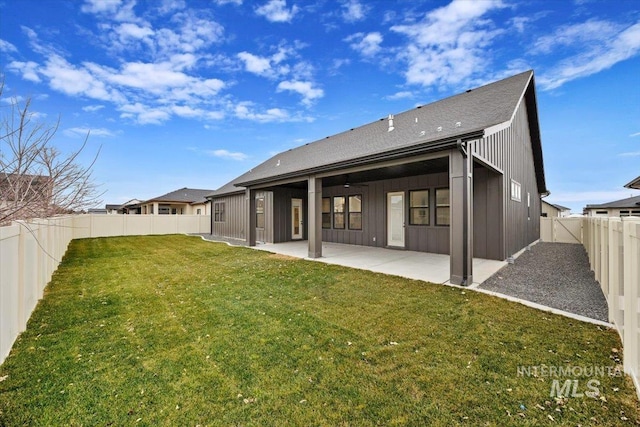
430 267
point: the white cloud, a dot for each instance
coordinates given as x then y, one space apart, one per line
92 132
225 154
266 66
400 95
600 45
448 46
223 2
306 89
5 46
367 44
145 114
28 70
101 6
255 64
72 80
244 110
169 6
630 154
635 134
92 108
276 11
353 11
129 30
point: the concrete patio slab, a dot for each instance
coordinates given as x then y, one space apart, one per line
429 267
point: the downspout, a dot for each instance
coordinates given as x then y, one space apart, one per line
462 147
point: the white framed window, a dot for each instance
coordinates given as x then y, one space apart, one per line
516 191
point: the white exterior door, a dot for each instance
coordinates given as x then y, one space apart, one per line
296 219
395 219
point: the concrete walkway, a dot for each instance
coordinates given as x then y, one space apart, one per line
429 267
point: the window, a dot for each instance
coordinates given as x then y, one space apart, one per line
419 207
326 212
624 213
516 191
602 212
635 213
198 211
218 212
260 212
338 212
442 206
355 212
164 209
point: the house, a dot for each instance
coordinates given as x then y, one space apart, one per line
634 184
550 210
185 201
462 176
132 207
26 196
618 208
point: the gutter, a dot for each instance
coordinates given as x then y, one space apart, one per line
426 147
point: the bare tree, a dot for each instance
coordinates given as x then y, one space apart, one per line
36 179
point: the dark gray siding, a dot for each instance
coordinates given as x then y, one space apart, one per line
510 150
430 238
487 214
265 234
235 214
282 213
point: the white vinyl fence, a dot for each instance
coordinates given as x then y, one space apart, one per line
31 251
613 246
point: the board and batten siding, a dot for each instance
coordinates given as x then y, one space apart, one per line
423 238
282 221
511 151
235 214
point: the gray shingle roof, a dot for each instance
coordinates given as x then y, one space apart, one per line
183 195
630 202
470 112
474 110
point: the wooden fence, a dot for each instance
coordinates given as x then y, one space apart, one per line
31 251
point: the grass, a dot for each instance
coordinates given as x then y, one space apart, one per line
171 330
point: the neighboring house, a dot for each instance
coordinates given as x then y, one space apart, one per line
186 201
550 210
625 207
26 196
635 184
462 176
98 211
132 207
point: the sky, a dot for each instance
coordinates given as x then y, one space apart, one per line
193 93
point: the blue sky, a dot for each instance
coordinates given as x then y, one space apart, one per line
193 93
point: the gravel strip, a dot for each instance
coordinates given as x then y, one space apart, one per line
556 275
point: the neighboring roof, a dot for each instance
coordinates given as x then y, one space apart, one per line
468 114
112 207
559 207
183 195
630 202
634 184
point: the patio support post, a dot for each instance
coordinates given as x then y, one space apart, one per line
461 215
315 216
250 219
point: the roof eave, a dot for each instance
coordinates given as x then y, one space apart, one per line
420 148
634 184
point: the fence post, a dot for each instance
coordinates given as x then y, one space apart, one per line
604 257
631 259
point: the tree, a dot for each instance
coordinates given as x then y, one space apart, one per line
36 179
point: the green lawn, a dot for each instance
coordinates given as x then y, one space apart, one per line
172 330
